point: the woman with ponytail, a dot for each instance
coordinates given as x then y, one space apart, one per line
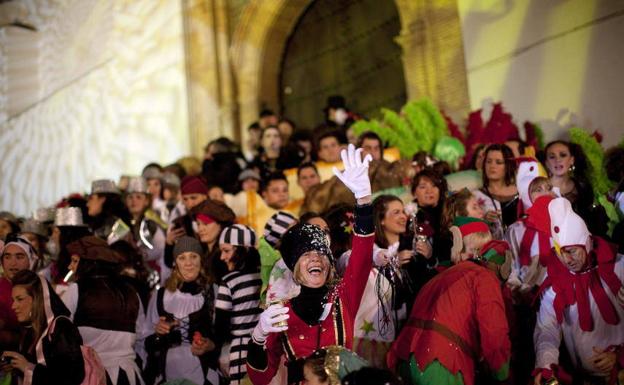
45 356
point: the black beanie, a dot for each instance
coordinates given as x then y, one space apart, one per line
302 238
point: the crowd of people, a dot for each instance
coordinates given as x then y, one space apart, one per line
222 272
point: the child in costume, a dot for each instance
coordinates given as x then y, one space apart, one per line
527 244
582 301
462 204
321 315
458 318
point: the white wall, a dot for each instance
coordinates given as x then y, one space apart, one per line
556 62
102 93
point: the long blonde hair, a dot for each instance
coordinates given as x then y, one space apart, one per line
468 245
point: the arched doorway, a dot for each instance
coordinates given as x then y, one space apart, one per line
430 44
345 48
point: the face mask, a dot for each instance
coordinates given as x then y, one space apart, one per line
340 116
53 249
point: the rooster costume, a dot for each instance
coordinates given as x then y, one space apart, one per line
586 307
526 242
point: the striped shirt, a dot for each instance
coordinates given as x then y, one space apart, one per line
239 293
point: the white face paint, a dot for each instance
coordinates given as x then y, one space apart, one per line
340 116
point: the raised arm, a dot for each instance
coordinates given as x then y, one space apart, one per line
355 177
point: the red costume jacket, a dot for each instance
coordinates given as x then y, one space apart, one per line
457 318
301 339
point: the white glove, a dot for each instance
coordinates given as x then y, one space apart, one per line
273 314
355 174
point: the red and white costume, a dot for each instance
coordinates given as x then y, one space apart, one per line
584 308
302 339
525 241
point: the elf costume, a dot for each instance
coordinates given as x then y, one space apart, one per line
458 319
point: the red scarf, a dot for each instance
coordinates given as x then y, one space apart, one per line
527 240
571 288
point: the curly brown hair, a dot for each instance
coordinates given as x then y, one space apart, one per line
455 206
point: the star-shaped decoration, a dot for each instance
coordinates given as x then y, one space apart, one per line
367 327
278 273
348 229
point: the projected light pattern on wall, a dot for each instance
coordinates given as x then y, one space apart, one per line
111 97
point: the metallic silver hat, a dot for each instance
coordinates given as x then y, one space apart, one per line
152 173
69 216
248 173
31 225
137 184
44 214
104 186
171 179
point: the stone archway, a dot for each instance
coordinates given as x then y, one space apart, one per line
233 78
257 47
430 38
345 48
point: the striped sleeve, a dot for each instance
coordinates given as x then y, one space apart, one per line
245 294
224 298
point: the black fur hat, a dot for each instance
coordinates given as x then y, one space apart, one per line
301 238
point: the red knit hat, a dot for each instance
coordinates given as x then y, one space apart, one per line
469 225
193 185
